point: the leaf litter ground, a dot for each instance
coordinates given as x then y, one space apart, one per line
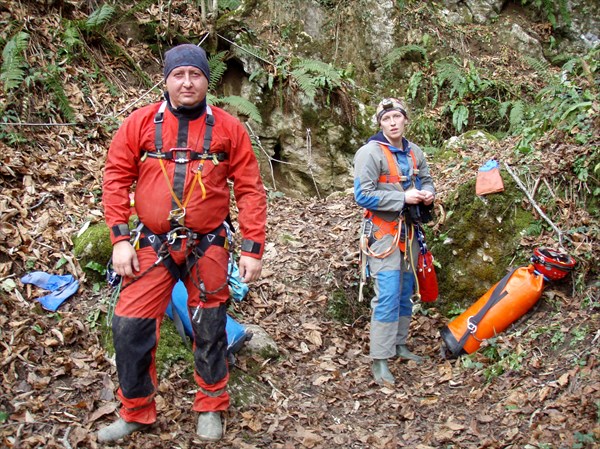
58 383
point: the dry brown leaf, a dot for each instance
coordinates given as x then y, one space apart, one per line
103 410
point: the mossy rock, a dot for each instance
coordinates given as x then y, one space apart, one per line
478 242
467 139
93 249
246 389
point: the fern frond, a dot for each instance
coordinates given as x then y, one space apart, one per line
540 67
413 84
452 73
436 95
13 61
217 68
517 113
460 117
306 83
229 5
398 53
100 17
330 76
72 36
503 108
53 82
240 104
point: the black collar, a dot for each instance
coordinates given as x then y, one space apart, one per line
188 112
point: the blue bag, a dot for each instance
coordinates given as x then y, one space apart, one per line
236 332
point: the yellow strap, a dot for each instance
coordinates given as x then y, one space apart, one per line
189 195
199 176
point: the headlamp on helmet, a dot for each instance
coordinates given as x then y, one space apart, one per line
387 105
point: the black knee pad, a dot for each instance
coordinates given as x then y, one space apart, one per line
210 337
134 339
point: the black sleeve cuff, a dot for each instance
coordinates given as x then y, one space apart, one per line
248 246
120 230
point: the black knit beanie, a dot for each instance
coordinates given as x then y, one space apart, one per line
184 55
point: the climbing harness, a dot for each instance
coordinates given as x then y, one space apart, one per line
181 157
197 245
397 227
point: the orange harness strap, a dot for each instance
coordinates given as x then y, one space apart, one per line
388 227
394 176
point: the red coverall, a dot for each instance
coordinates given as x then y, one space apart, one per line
141 306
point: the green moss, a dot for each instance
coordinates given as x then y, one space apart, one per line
244 387
345 308
172 349
93 247
310 118
479 241
478 135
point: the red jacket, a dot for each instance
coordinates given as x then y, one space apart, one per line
153 199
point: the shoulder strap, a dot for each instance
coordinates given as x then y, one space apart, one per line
393 177
158 121
210 121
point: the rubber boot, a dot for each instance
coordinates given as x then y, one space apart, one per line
401 349
209 426
118 430
381 372
403 352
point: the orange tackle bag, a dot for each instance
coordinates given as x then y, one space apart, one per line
497 309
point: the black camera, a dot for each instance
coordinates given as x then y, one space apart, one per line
419 213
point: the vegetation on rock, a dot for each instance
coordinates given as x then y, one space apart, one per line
71 74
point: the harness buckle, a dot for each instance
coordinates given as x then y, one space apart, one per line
135 235
177 214
182 158
367 228
177 233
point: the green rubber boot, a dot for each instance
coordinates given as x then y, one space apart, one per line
119 429
403 352
381 372
209 426
401 349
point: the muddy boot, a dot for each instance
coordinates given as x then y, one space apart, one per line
209 426
381 372
118 430
401 349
